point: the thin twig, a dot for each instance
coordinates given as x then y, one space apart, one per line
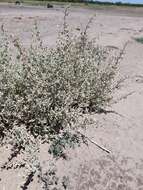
66 13
119 57
100 111
88 24
95 143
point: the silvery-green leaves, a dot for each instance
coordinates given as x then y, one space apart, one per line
44 91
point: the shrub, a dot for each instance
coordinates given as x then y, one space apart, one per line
44 91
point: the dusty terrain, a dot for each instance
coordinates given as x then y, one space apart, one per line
89 167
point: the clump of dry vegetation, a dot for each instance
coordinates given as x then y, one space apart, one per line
44 91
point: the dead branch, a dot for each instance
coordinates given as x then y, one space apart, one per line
95 143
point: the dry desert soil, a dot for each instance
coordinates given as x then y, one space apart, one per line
90 168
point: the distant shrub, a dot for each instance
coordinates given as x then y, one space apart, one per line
17 2
44 91
49 5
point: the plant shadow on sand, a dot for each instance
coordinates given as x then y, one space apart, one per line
110 173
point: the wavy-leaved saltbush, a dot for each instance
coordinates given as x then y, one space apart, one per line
43 91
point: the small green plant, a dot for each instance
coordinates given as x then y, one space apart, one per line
140 40
44 91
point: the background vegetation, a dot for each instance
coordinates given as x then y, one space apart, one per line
77 2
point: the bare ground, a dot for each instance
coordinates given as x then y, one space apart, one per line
122 133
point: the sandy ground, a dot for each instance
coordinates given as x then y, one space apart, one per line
89 167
